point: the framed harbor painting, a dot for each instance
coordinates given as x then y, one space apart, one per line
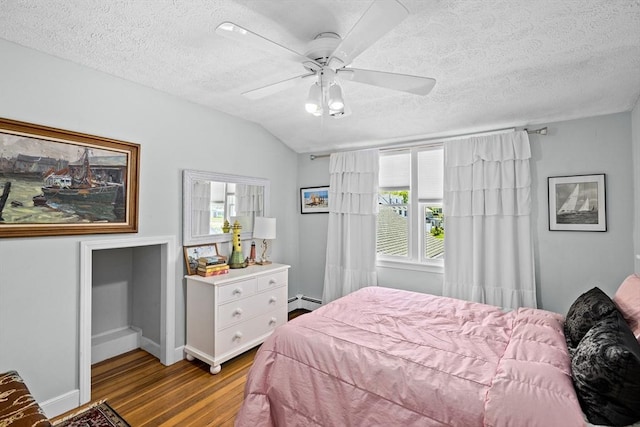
577 203
59 182
314 200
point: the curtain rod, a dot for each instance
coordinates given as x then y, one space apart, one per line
541 131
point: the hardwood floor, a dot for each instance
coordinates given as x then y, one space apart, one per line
146 393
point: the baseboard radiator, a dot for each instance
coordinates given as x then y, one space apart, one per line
304 302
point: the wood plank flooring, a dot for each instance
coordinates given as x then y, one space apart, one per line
146 393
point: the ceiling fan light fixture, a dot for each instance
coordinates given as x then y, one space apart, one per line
336 102
336 113
314 100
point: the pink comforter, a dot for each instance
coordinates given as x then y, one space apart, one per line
384 357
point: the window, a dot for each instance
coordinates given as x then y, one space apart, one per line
410 220
222 205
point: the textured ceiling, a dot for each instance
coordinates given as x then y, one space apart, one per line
497 63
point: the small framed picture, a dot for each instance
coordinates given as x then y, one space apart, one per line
314 200
192 253
577 203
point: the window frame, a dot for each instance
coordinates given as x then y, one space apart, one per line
416 259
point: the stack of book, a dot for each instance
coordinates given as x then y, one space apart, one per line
212 266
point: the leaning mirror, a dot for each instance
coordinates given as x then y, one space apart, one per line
210 198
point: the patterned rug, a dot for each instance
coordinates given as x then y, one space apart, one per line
100 415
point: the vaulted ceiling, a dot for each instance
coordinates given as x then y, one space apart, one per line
497 63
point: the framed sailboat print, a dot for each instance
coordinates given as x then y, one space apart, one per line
57 182
577 203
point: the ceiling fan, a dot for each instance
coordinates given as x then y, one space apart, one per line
328 56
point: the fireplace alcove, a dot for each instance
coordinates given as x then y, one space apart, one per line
127 301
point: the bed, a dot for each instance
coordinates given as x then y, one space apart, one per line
386 357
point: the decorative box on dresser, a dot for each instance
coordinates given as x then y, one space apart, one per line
232 313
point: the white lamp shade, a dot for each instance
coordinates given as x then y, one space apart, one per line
314 100
264 228
335 98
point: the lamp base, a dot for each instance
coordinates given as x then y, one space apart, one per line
265 262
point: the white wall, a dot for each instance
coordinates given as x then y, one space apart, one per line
570 262
567 263
39 277
112 295
145 288
313 228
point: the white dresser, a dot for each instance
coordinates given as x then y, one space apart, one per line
231 313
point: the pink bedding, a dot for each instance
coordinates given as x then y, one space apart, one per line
384 357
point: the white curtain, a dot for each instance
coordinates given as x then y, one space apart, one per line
353 207
487 208
249 203
201 201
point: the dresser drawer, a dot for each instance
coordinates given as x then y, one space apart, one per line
255 305
270 281
236 290
237 336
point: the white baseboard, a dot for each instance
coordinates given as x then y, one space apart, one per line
71 400
178 354
151 347
113 343
61 404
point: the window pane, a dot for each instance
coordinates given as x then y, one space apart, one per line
216 221
430 175
393 223
395 170
433 232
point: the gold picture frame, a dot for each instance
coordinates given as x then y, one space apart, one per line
56 182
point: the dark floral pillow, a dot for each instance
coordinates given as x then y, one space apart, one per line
606 373
585 312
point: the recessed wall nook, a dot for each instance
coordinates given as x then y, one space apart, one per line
127 301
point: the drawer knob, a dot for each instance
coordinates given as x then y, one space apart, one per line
272 300
273 321
237 291
272 282
237 312
237 336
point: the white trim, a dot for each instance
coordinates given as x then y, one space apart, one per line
433 267
61 404
167 301
112 343
151 347
178 354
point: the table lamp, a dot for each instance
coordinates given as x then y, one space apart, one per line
264 228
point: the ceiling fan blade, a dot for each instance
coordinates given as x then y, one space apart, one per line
265 91
376 21
238 33
402 82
